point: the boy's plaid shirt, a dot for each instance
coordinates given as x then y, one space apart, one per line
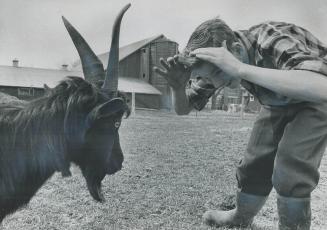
275 45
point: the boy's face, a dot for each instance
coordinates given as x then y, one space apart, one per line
214 74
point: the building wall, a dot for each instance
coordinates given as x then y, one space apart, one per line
23 93
252 104
232 96
145 64
130 66
140 65
161 48
137 65
145 101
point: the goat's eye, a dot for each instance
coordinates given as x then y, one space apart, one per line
117 124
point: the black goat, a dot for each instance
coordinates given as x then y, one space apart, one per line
74 122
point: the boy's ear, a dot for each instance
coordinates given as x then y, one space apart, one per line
239 51
108 108
236 47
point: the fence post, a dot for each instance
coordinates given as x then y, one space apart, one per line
242 105
133 103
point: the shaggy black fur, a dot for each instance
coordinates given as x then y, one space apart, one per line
74 122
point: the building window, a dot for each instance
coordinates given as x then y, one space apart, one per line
251 98
26 92
233 100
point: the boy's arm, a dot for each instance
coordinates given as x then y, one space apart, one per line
298 84
181 102
177 77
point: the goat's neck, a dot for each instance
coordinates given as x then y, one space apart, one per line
26 162
19 183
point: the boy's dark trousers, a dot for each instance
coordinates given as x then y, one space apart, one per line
285 150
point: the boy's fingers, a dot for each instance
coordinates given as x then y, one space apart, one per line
205 57
171 61
177 63
196 51
164 64
205 51
160 71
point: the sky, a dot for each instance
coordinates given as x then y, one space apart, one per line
32 30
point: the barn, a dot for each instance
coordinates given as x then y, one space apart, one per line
137 77
136 62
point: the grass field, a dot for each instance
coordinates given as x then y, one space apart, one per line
176 167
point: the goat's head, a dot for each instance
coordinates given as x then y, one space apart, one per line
97 150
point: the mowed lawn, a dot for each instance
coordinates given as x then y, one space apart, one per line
175 168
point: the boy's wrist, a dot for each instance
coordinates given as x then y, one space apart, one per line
178 88
242 70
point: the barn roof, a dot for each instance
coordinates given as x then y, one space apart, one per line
124 51
33 77
37 77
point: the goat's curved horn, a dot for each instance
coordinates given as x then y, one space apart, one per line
111 81
92 66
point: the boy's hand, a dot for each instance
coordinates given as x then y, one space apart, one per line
221 58
174 72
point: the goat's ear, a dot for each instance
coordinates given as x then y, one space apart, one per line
108 108
47 89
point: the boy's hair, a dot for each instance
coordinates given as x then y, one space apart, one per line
210 33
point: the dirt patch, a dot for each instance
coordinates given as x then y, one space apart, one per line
176 167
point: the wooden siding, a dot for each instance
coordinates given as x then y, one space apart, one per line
232 96
160 49
130 66
145 64
145 101
140 65
19 92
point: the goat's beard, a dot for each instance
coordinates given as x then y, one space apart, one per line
94 177
95 190
93 180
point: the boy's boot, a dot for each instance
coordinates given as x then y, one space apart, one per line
247 206
294 213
